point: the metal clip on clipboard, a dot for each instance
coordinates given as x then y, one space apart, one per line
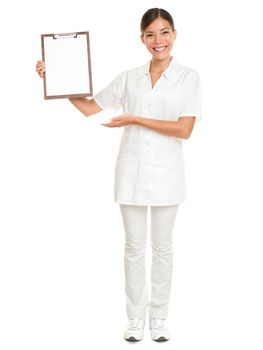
65 36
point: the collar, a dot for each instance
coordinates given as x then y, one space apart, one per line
168 73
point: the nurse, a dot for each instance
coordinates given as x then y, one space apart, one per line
160 102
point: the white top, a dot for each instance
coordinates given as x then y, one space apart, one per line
150 165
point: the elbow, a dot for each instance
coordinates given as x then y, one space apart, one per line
184 127
186 133
86 114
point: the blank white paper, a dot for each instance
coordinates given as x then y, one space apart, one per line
67 69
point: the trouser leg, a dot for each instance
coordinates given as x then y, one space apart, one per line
135 225
162 223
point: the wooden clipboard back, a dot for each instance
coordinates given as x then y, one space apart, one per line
86 89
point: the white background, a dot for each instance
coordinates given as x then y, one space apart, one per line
61 248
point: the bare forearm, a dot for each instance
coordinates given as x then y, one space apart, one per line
85 106
181 128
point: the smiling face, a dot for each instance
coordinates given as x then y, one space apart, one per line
158 38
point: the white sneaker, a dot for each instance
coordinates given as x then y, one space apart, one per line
159 330
134 330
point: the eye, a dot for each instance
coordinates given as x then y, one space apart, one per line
148 35
166 32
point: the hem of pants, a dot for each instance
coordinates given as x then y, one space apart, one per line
136 311
158 312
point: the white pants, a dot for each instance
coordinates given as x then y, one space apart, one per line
135 225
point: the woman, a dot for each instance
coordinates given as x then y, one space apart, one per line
160 101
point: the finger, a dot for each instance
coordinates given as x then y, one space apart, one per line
41 63
40 66
40 73
40 69
108 125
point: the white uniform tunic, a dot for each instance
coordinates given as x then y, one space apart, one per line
150 165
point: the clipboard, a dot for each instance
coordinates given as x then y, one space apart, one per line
68 65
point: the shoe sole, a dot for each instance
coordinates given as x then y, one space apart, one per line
161 339
132 339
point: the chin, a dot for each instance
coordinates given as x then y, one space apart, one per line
161 57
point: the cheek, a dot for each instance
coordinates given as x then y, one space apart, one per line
148 42
170 42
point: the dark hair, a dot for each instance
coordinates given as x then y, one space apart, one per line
151 16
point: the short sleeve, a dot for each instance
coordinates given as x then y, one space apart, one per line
112 96
190 96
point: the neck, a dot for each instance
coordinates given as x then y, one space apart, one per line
160 65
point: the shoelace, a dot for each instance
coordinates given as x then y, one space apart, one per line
158 323
134 323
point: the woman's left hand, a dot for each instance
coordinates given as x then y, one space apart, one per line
121 120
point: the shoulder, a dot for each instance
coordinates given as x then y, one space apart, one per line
179 72
137 72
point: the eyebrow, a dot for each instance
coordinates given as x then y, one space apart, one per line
165 28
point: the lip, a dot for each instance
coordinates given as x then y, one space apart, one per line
159 49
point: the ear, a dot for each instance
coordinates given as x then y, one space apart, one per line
175 34
142 39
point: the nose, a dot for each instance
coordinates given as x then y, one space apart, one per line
157 38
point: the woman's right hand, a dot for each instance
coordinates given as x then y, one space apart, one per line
40 68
